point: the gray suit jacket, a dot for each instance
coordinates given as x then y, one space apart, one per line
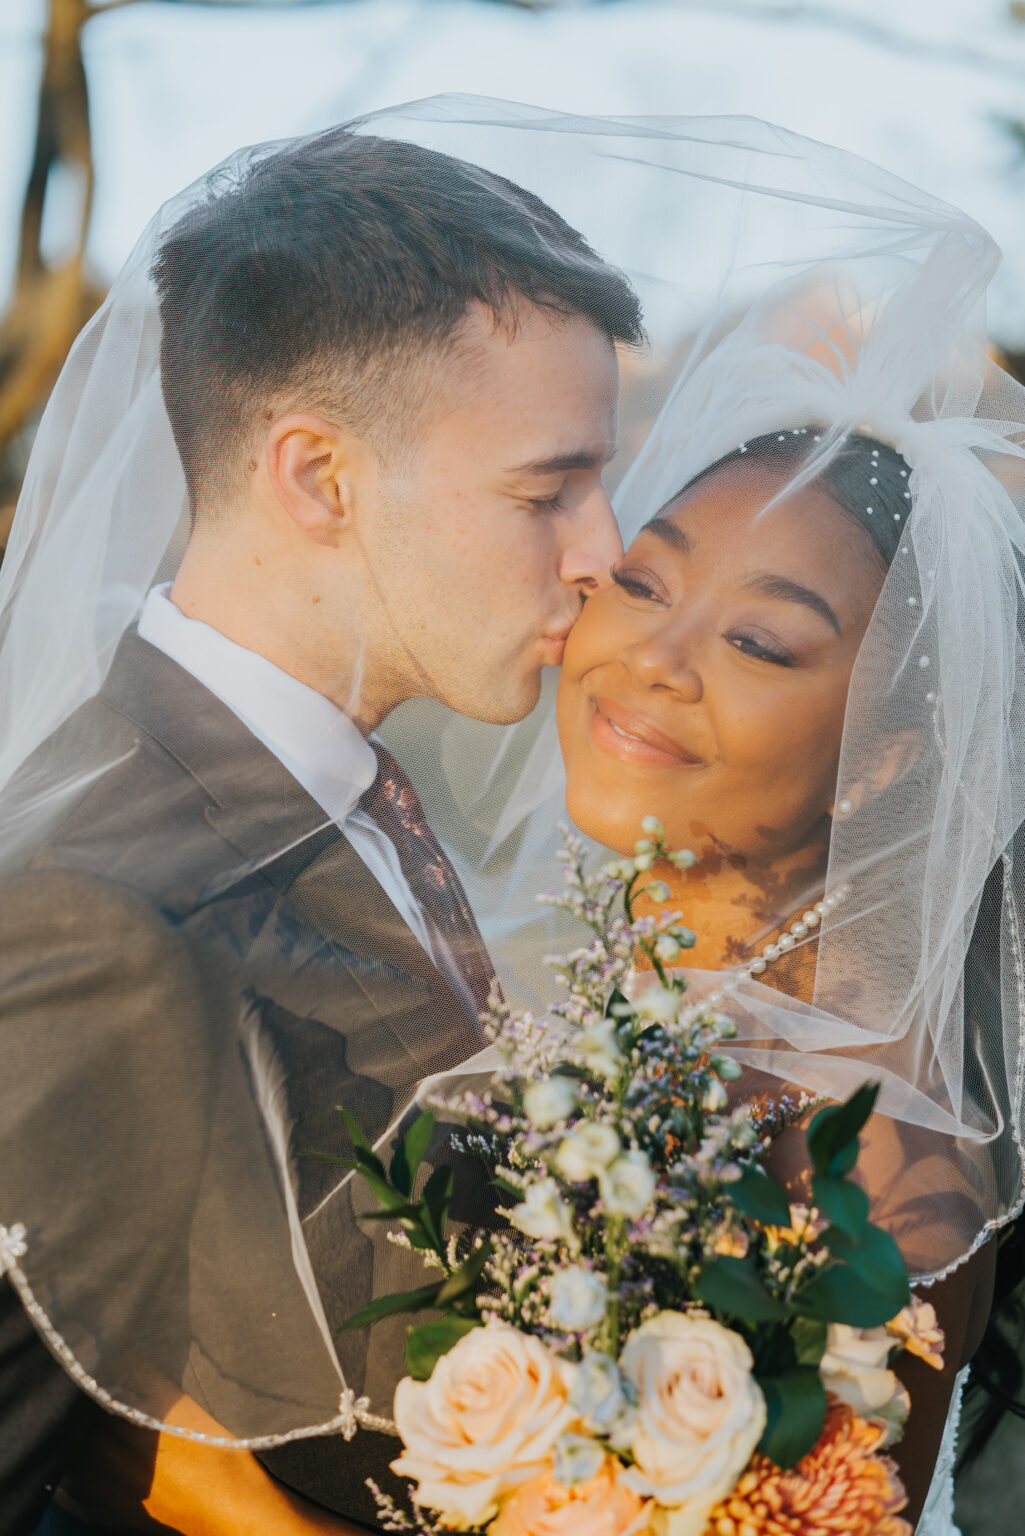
190 889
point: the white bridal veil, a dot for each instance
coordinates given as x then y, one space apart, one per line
147 1201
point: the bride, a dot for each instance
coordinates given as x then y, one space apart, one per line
710 685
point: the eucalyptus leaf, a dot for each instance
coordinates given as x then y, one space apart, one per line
732 1285
875 1259
838 1295
427 1342
809 1336
795 1402
841 1202
834 1131
761 1198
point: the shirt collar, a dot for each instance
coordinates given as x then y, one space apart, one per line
318 744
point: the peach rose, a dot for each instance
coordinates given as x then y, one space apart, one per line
486 1421
603 1506
700 1414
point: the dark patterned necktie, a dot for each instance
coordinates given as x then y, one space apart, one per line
392 802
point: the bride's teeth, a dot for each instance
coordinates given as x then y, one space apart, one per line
620 732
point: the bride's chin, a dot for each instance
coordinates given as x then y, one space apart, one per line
589 815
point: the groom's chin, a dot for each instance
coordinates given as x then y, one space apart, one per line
508 705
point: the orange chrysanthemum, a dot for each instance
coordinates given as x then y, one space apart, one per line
840 1486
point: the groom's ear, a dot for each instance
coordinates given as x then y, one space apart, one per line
319 473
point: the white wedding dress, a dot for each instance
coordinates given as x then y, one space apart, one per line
938 1514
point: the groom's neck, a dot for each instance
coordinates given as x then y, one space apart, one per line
262 603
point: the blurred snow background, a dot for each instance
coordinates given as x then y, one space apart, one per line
932 89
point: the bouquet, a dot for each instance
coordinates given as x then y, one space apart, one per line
658 1341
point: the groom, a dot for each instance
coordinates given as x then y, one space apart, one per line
392 382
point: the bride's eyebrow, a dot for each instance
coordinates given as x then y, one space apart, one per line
669 533
768 585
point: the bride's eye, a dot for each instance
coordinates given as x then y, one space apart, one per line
637 582
760 647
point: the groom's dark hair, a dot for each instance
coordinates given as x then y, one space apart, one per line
323 274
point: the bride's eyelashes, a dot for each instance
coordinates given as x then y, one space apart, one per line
635 581
760 647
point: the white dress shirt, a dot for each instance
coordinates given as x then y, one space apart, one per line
315 741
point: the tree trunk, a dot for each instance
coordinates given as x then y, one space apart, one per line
51 300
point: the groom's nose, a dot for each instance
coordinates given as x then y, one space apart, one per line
592 545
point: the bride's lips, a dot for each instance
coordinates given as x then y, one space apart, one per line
632 739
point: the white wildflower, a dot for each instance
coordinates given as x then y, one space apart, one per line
587 1151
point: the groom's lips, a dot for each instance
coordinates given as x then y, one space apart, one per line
632 739
555 645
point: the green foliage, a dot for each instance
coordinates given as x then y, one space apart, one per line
426 1343
841 1202
761 1198
839 1295
833 1134
410 1153
808 1335
795 1402
388 1306
733 1286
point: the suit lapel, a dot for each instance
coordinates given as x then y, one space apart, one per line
282 835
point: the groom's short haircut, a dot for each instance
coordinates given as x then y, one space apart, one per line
324 275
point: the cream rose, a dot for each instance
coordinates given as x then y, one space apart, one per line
700 1415
855 1369
487 1420
603 1506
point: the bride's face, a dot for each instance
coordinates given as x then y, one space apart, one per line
707 686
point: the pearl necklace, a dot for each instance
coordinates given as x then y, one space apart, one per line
804 925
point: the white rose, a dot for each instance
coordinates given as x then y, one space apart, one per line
587 1151
598 1393
600 1049
627 1185
549 1102
578 1299
576 1459
487 1420
543 1213
700 1415
854 1368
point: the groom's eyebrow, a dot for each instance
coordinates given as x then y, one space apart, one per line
562 463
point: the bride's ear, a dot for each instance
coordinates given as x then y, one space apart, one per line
319 473
892 763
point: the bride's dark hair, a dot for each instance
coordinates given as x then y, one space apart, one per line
866 478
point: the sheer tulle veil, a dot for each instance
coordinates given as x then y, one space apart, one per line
784 283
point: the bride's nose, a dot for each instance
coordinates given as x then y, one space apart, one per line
665 659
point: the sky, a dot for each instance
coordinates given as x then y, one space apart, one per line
919 86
